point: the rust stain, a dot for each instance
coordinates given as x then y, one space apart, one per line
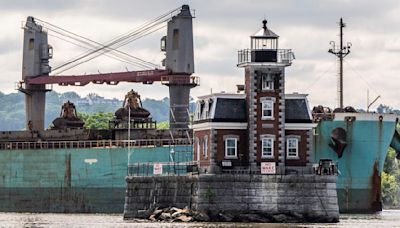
376 197
67 177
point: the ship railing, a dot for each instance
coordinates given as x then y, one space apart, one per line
93 144
318 117
163 169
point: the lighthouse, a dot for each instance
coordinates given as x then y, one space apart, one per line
261 130
264 65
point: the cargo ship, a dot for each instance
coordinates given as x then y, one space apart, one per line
68 168
357 142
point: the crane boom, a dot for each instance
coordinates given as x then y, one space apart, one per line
145 76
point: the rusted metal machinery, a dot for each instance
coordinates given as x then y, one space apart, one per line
133 102
68 117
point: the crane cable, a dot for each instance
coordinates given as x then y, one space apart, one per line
127 37
99 54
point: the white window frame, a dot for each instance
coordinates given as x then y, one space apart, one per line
198 148
289 154
272 147
198 114
226 148
266 85
265 117
205 147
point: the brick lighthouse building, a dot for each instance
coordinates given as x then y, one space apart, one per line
262 130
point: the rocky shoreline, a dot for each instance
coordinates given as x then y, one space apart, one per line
174 214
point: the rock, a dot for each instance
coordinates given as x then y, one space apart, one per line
174 209
280 218
184 218
176 214
225 217
253 218
186 210
201 217
152 217
286 218
157 213
165 216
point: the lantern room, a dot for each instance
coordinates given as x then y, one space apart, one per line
264 50
264 39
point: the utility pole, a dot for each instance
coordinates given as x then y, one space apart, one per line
340 52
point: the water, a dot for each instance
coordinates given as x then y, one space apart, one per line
387 218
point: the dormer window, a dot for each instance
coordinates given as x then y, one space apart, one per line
198 111
267 82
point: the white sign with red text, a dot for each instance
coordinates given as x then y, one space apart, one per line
157 169
268 168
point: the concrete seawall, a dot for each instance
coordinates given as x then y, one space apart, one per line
240 197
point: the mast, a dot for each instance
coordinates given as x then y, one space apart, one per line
340 52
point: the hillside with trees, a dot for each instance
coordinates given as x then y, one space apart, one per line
12 109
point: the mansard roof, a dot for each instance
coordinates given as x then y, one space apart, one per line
297 109
230 110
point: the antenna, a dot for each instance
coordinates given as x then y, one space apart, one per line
340 52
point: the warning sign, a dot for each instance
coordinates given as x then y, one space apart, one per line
157 169
268 168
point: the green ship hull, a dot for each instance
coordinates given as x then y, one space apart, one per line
88 180
369 136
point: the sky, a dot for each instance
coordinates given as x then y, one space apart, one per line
221 28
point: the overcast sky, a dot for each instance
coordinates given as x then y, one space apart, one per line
221 28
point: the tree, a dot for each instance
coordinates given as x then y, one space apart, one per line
97 120
390 189
163 125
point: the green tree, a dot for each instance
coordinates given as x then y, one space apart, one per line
97 120
390 189
163 125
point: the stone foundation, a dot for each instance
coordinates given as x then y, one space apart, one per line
243 197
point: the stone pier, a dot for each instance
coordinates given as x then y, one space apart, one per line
243 197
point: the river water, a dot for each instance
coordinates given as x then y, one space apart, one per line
387 218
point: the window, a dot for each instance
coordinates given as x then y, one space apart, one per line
205 146
267 147
198 149
231 148
175 39
206 110
267 109
267 82
198 111
292 148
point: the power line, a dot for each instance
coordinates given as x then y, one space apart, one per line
319 77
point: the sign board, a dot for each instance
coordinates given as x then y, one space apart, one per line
226 163
268 168
157 169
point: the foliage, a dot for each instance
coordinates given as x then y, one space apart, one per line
97 120
391 180
387 109
390 189
163 125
